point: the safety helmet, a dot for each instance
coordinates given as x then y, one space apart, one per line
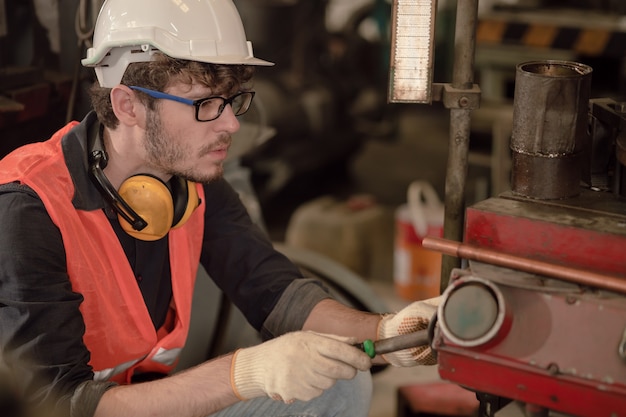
197 30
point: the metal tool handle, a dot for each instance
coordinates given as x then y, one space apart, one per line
392 344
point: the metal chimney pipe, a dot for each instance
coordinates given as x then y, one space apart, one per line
550 120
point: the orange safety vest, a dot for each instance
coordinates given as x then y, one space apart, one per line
118 330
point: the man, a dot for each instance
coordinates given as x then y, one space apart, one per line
103 227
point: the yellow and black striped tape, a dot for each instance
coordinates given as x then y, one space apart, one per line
593 42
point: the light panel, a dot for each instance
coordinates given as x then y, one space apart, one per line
412 44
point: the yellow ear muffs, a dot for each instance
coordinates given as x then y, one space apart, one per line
161 208
186 200
152 200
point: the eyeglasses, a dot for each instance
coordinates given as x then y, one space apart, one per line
209 108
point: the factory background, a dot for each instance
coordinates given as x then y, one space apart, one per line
324 161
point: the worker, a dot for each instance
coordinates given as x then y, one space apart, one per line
104 225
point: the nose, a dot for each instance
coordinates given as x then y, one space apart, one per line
227 120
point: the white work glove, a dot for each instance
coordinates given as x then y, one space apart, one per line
296 366
416 316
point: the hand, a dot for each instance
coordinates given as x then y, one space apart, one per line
295 366
416 316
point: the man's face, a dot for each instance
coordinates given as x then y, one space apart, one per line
177 144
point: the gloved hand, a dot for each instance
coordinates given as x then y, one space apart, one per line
412 318
295 366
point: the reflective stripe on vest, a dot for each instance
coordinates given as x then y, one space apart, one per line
163 356
106 374
167 356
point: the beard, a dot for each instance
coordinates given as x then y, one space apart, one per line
165 154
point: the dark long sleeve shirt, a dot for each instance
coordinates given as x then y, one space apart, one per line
41 327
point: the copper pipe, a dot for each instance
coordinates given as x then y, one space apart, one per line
582 277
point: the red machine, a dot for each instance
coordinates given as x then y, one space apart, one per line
536 322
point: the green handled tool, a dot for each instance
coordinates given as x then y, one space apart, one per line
392 344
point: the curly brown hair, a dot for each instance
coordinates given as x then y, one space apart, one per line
162 72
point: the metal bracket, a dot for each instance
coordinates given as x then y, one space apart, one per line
457 98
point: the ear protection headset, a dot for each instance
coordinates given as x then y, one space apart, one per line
146 207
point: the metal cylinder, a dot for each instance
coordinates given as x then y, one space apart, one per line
549 128
473 312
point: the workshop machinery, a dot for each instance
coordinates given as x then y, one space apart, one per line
533 312
535 323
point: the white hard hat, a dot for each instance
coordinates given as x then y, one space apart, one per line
198 30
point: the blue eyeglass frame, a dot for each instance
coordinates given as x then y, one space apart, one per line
194 103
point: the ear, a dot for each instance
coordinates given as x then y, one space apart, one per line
127 106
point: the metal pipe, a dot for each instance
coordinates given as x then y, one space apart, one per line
456 176
464 44
395 343
456 171
550 128
403 341
581 277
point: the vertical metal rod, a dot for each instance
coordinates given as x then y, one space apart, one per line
464 44
456 171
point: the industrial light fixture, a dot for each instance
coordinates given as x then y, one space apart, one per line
412 44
